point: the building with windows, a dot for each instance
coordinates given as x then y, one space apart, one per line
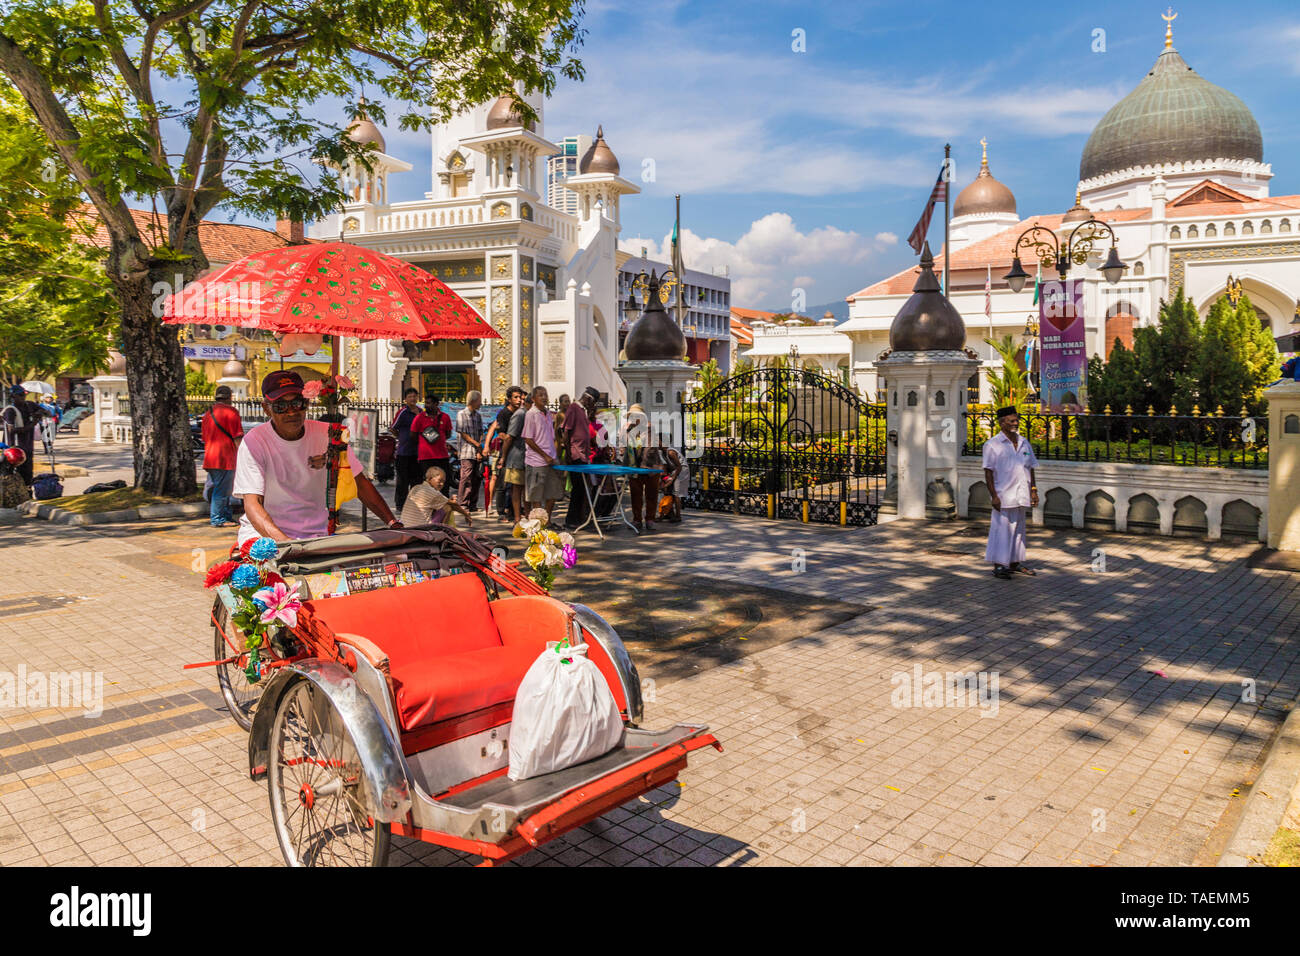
559 168
707 298
544 278
1176 169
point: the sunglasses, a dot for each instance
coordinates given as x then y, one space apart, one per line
291 404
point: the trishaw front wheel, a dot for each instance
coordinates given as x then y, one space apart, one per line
321 804
241 697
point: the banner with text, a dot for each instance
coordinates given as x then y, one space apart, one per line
1062 354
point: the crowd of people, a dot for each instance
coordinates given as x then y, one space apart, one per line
510 462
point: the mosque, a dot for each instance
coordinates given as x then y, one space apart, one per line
1176 168
546 279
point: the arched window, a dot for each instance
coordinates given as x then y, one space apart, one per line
1192 231
1210 230
1247 229
1139 269
1175 233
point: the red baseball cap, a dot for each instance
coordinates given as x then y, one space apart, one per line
280 383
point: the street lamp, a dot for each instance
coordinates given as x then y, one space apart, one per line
1076 250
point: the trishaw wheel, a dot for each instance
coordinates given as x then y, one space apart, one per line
321 805
241 697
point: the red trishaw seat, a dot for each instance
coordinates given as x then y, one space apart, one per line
447 657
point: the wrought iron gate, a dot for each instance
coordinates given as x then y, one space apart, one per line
786 443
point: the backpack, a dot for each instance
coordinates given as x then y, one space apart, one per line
46 486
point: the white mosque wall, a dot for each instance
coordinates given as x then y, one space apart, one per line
1152 499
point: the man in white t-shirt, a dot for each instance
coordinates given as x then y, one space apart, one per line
280 470
1009 464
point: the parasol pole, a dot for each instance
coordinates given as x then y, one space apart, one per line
336 447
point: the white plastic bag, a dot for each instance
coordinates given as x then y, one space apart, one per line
564 714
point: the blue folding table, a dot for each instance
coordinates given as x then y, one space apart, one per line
621 475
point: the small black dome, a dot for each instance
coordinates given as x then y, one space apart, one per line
927 322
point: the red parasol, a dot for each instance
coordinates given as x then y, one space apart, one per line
330 288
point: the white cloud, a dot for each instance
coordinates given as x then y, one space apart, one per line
725 121
773 257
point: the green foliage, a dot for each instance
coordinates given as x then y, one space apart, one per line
55 301
1167 357
196 383
1182 363
1117 384
710 374
1009 386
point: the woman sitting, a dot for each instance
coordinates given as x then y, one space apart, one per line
426 504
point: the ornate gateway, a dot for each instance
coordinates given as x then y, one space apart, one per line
786 443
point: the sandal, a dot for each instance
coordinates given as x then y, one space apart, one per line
1021 569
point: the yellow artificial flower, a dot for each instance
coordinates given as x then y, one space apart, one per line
518 532
534 556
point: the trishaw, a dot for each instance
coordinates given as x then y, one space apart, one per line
388 710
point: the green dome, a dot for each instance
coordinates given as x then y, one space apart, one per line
1173 116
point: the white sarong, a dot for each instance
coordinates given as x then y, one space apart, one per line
1006 537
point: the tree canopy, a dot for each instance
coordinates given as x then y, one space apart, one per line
54 296
1184 363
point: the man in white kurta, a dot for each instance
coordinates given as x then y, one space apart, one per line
1009 465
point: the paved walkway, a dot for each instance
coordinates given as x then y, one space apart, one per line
1120 733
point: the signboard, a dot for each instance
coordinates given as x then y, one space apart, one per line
322 356
363 429
553 356
1063 356
208 353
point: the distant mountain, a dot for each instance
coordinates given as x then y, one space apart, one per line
839 308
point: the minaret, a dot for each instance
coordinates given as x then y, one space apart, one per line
598 183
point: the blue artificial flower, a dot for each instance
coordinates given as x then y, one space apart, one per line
245 576
263 549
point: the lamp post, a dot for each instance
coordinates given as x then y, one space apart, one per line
1050 252
1030 337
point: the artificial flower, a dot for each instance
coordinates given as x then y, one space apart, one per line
344 381
263 549
534 556
538 515
518 532
245 576
281 604
552 538
570 556
219 573
246 547
566 539
311 390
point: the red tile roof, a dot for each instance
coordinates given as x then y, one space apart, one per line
743 333
750 315
223 243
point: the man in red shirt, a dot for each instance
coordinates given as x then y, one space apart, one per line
438 424
222 433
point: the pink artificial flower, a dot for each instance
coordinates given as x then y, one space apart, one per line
311 390
344 381
281 604
570 556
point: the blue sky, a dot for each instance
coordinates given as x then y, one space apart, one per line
808 169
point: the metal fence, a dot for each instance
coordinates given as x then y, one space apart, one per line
1213 441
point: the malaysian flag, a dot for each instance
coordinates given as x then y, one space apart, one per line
988 295
939 194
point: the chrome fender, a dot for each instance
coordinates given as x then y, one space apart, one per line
381 755
608 638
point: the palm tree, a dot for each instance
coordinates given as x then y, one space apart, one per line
1010 386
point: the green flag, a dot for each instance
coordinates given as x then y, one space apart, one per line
1038 283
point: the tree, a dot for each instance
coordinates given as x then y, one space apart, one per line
1237 359
54 296
1167 355
117 86
1116 383
1010 386
710 375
